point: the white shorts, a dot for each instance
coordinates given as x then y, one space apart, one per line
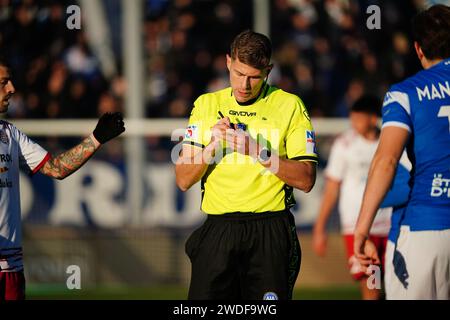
420 267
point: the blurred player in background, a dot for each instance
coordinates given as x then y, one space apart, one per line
416 114
248 246
346 176
18 151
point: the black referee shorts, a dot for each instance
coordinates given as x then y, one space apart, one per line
244 256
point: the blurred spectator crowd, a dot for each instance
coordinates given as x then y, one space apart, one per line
323 51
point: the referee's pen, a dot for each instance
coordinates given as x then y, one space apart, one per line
233 126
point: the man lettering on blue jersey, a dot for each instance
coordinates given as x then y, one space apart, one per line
416 114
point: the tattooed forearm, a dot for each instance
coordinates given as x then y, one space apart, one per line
70 161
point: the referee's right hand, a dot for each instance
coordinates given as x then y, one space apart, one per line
220 129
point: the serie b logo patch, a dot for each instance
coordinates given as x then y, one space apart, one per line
191 132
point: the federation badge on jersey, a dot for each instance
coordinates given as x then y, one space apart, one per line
310 142
270 296
4 137
191 132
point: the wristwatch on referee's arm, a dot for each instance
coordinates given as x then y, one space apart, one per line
264 155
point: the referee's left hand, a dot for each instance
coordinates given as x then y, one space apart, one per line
241 142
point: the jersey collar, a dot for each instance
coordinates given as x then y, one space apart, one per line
262 94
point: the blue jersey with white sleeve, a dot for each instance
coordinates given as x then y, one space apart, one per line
421 105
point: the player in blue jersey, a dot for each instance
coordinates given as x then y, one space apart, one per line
397 198
416 114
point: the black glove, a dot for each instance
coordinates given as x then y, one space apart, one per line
109 126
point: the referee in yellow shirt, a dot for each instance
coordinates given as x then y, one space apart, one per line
249 145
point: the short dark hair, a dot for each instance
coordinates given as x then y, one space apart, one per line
431 30
4 62
252 48
367 104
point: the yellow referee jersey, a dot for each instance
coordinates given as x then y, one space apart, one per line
236 182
